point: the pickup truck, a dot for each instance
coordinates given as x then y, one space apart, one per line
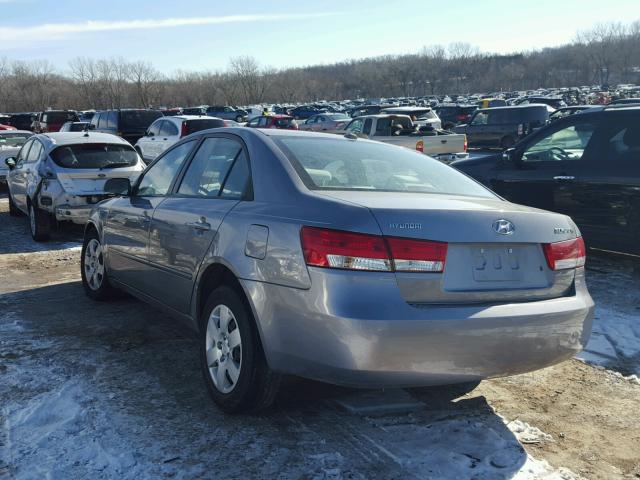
400 130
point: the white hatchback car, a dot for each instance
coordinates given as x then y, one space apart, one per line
166 131
61 176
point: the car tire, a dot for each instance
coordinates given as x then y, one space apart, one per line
93 269
13 210
507 142
39 223
239 119
233 362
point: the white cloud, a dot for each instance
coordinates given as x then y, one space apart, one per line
47 31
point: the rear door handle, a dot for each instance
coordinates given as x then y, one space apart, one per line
564 177
200 225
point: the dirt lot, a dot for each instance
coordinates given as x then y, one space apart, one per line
113 390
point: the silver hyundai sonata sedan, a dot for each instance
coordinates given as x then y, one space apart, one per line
338 259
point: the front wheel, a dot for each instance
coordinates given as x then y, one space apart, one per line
233 363
92 268
239 119
39 223
13 210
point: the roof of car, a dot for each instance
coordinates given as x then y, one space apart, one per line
190 117
52 140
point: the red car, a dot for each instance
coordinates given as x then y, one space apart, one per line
6 127
274 121
52 120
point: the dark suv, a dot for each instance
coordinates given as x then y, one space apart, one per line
502 127
130 124
227 113
22 121
452 115
586 166
52 120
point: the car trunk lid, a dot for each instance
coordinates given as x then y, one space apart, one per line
91 181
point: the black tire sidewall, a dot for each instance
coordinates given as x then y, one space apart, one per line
105 291
243 394
42 223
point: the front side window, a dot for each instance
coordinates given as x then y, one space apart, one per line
355 126
94 155
338 164
568 143
158 178
209 168
35 152
480 118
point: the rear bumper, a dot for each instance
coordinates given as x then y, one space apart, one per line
356 330
75 214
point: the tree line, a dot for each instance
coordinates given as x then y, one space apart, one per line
607 53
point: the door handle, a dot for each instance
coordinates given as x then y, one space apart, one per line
201 225
564 178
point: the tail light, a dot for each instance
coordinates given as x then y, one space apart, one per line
466 143
184 130
565 255
420 146
462 117
358 251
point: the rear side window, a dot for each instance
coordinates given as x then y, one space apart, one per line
337 164
209 168
168 129
35 152
284 122
94 155
112 120
138 119
622 142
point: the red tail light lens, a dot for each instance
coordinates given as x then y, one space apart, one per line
466 143
420 146
565 255
358 251
338 249
184 130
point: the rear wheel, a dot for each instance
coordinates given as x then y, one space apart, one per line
233 363
39 223
92 268
239 118
13 210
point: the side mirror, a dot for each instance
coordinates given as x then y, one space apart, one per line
120 187
509 155
10 162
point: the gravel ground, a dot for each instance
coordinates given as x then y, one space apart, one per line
113 390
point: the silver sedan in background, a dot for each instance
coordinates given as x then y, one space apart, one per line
338 259
325 122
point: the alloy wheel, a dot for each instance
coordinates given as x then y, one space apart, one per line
94 264
223 348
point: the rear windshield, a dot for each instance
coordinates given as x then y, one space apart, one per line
13 140
138 119
336 164
78 126
197 125
94 155
59 117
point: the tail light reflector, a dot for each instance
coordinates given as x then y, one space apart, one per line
338 249
417 255
565 255
358 251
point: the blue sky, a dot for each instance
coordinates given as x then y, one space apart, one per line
204 34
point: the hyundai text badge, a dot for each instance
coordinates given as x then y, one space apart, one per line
504 227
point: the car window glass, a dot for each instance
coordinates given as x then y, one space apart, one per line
623 142
355 126
154 129
168 129
157 179
209 167
568 143
112 120
481 118
236 184
262 122
254 122
22 155
34 152
367 126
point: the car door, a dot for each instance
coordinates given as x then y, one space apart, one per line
610 189
126 230
548 171
17 178
148 143
185 224
168 135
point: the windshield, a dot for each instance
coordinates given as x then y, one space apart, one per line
59 117
204 124
94 155
138 119
284 122
337 164
13 140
